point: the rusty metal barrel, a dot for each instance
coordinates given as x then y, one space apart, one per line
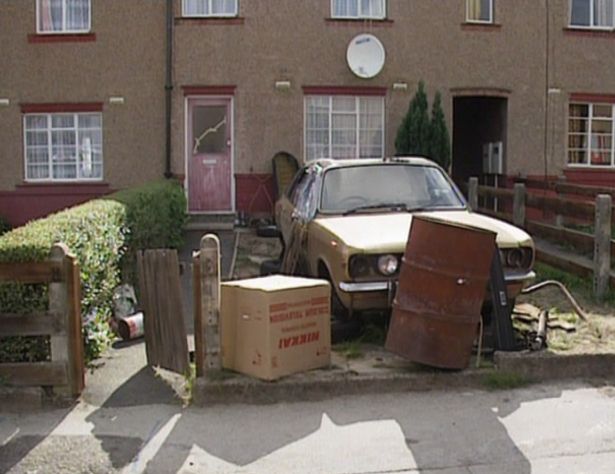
442 285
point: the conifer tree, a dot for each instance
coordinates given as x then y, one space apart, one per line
439 141
413 133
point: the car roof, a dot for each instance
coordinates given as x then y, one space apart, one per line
344 163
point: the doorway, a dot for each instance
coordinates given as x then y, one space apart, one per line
479 125
209 155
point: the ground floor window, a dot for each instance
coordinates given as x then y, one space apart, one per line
344 127
590 134
63 147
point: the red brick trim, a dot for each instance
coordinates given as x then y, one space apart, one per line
361 22
344 90
208 90
590 97
62 38
58 108
63 187
469 26
571 31
210 21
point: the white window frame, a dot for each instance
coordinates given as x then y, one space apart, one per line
63 31
591 25
49 129
360 15
474 20
588 148
210 15
357 123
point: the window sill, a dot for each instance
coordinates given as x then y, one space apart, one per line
62 38
589 32
197 20
53 187
478 26
384 22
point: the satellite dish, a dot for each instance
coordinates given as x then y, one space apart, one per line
365 56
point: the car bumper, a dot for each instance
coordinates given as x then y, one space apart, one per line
380 294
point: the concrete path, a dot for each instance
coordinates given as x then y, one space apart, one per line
542 429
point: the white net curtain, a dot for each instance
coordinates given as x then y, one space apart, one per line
64 15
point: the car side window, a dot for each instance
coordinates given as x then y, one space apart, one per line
304 195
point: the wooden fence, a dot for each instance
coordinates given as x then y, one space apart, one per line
598 214
62 322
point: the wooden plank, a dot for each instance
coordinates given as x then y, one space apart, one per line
32 324
564 263
76 355
581 241
177 353
583 190
501 193
165 333
33 374
199 324
566 207
30 272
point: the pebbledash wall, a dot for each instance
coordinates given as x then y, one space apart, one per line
526 57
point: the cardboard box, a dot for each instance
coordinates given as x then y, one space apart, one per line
275 325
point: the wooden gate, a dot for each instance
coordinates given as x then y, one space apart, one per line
62 322
163 318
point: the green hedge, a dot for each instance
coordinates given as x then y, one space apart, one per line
104 235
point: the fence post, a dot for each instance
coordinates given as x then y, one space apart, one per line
59 308
473 193
210 299
519 205
602 245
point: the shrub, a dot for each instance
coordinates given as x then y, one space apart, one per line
155 218
100 234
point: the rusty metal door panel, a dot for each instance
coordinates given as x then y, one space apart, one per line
442 284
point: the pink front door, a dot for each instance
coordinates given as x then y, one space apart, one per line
209 155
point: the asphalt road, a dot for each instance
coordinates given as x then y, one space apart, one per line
541 429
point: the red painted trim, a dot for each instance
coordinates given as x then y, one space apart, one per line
590 97
62 38
361 22
469 26
571 31
58 108
255 193
33 201
209 90
344 90
209 21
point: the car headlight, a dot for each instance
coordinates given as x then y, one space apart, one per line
388 264
520 257
359 266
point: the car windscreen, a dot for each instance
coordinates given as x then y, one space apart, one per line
399 186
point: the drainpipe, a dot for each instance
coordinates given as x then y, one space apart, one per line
168 89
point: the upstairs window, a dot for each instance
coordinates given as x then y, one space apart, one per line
210 8
63 147
358 9
479 11
590 134
344 127
63 16
596 14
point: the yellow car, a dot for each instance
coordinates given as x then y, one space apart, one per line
348 221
